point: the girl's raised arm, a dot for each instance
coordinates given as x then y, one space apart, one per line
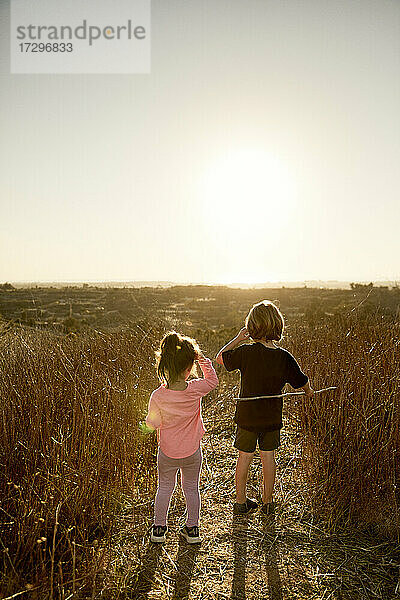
210 379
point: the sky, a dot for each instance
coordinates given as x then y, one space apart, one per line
263 146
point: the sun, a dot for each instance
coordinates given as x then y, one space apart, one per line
249 191
248 202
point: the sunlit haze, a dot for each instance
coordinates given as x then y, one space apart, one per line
263 146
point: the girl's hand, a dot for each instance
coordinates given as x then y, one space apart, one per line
199 355
243 334
145 429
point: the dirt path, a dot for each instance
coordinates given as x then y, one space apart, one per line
252 557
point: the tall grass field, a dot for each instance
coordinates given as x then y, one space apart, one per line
71 454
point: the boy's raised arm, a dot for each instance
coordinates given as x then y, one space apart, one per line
241 337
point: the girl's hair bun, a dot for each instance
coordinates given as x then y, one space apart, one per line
175 355
170 342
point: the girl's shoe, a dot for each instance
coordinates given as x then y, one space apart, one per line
191 534
158 533
246 507
268 509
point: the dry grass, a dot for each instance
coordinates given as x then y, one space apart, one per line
75 470
69 448
350 439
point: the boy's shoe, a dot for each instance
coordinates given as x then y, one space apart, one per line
268 509
191 534
158 533
246 507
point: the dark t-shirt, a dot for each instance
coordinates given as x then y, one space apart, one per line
264 372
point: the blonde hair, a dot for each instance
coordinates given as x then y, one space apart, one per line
176 353
265 321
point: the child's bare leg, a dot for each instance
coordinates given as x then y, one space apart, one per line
269 471
242 471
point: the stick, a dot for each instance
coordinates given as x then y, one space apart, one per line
286 394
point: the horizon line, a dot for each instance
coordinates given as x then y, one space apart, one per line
197 283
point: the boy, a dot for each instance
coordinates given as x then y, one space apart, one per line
265 368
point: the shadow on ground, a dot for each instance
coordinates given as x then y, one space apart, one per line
268 549
186 561
142 582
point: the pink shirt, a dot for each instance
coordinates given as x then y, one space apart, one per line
177 414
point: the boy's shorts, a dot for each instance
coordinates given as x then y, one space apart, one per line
246 441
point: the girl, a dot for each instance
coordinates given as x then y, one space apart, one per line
175 411
265 369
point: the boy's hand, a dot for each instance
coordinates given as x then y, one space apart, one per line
236 341
309 392
145 429
243 334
